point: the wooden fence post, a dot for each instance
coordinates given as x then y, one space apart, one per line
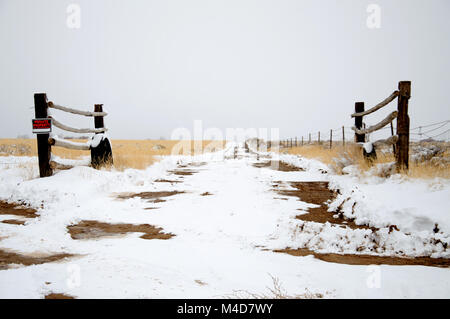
359 107
309 138
43 147
319 139
296 141
343 136
331 138
102 154
404 89
302 140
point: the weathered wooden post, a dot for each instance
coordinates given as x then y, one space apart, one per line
402 155
296 141
343 136
331 138
309 138
101 154
319 139
359 107
43 147
302 140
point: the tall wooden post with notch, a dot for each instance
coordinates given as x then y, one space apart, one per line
404 93
43 147
359 107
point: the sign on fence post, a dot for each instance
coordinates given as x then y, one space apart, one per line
44 148
41 126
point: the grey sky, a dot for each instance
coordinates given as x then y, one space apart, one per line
158 65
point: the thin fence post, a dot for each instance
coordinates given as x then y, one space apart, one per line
392 134
302 140
318 141
309 138
343 136
296 141
331 138
404 89
359 107
43 147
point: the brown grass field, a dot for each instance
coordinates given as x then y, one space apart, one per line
137 154
353 154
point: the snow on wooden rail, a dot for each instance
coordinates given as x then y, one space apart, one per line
69 144
78 130
378 106
74 111
377 126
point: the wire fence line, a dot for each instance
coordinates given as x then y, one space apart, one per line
345 133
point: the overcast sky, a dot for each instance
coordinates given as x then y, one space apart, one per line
158 65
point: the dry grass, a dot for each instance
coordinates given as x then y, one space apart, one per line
339 155
275 292
137 154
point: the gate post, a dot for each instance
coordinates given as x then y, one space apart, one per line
43 147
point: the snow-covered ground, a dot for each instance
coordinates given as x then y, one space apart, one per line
223 241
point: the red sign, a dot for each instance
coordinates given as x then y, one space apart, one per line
42 125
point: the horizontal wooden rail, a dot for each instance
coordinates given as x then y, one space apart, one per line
74 111
69 144
378 106
377 126
77 130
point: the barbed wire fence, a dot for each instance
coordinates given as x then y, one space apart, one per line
439 131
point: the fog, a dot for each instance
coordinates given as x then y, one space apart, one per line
160 65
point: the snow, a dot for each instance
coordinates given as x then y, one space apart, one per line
219 238
368 147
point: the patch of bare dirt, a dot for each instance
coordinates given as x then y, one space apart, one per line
183 172
166 181
17 209
58 296
353 259
206 194
89 229
198 164
152 197
279 166
318 193
10 257
13 222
